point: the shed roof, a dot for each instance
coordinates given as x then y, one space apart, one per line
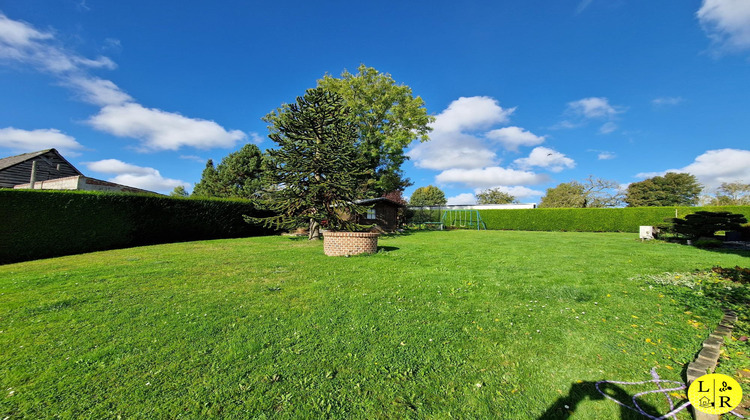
370 201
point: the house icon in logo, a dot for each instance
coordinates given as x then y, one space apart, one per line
705 402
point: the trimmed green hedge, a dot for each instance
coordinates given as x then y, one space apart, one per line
42 224
626 219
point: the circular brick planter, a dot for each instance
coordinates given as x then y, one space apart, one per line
336 244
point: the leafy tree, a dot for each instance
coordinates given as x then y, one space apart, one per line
179 191
396 196
495 196
314 173
567 194
732 194
238 175
592 192
387 117
427 196
672 189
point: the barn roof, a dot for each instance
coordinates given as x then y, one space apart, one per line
15 160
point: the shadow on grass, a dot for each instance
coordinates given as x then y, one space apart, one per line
387 248
732 248
564 407
742 252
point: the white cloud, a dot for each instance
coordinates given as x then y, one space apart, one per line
21 42
544 157
606 155
644 175
452 150
516 191
608 127
151 182
513 137
256 138
582 111
465 198
193 158
25 141
727 22
98 91
120 114
160 130
114 166
724 165
18 34
135 176
489 177
468 114
714 167
593 108
667 101
456 140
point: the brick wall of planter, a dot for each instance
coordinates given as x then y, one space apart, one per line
336 244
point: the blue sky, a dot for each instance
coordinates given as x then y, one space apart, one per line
526 94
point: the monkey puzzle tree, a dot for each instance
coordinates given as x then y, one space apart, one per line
313 176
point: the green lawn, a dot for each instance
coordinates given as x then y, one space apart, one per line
456 324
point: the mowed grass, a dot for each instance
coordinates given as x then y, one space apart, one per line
458 324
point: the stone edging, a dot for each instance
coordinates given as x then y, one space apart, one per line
709 354
708 357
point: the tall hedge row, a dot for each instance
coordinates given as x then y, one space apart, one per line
42 224
626 219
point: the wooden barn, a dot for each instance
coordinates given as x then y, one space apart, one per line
384 213
45 165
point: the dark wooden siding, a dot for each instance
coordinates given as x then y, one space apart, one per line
386 216
46 169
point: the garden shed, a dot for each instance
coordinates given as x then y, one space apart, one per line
383 212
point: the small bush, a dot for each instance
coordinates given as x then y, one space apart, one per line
706 223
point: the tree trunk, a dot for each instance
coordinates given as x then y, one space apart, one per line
313 230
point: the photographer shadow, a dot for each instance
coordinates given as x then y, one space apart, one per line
564 407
